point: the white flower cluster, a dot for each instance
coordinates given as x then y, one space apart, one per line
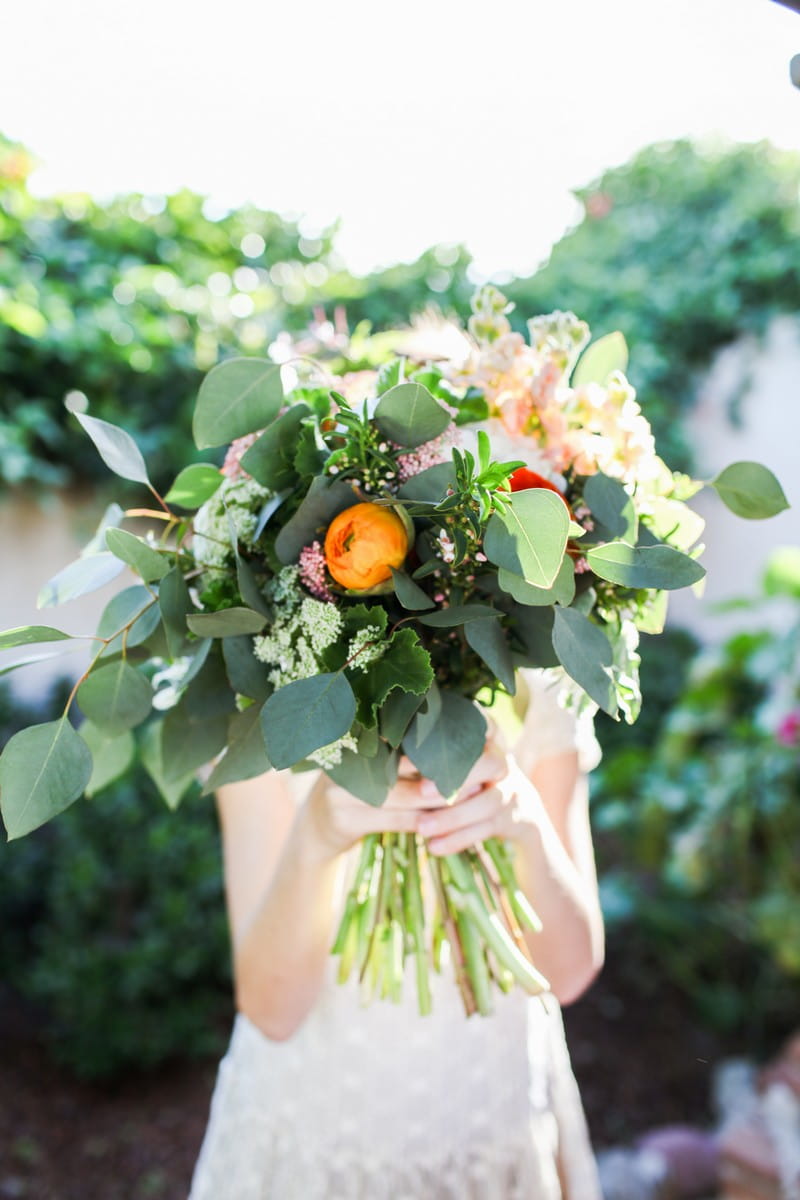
331 755
300 633
242 499
365 648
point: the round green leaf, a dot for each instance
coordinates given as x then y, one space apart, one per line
561 592
43 769
607 354
449 750
145 561
194 485
227 622
306 715
245 756
409 415
31 635
115 697
529 537
239 396
111 756
134 607
750 490
586 655
660 567
117 448
369 778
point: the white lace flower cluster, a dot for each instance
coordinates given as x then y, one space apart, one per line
242 501
365 648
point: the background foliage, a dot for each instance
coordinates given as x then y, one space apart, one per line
128 302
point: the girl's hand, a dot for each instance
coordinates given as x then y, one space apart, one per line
497 800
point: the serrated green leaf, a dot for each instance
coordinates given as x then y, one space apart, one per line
227 622
43 769
396 714
607 354
450 750
660 567
246 756
409 415
409 594
305 716
117 448
529 537
79 578
404 664
134 551
586 655
111 756
488 639
115 697
369 778
31 635
238 396
750 490
194 485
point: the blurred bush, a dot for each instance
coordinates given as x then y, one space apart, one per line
684 250
114 924
699 836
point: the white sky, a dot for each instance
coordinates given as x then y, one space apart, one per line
421 122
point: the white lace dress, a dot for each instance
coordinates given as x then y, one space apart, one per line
379 1103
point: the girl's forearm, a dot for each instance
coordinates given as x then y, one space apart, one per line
569 949
281 955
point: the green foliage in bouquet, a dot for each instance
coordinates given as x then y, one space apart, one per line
363 568
710 817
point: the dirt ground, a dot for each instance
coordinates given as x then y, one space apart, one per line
637 1065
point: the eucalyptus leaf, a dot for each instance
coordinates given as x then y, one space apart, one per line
450 750
79 578
17 663
111 755
115 697
396 714
174 603
194 485
660 567
306 715
270 460
409 594
369 778
561 592
227 622
409 415
428 713
117 448
246 674
43 769
750 490
171 791
457 614
31 635
488 639
134 551
586 655
612 509
430 485
245 756
529 537
324 500
607 354
534 628
187 745
133 607
238 396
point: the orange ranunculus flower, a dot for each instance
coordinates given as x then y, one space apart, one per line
363 544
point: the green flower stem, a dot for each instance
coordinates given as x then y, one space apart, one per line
521 905
453 935
467 899
358 891
475 962
414 914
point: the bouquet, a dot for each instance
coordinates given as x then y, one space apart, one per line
378 553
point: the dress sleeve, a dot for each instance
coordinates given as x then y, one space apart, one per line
547 727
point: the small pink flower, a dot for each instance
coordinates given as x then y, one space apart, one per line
232 467
788 732
312 571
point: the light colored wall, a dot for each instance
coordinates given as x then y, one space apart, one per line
766 377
